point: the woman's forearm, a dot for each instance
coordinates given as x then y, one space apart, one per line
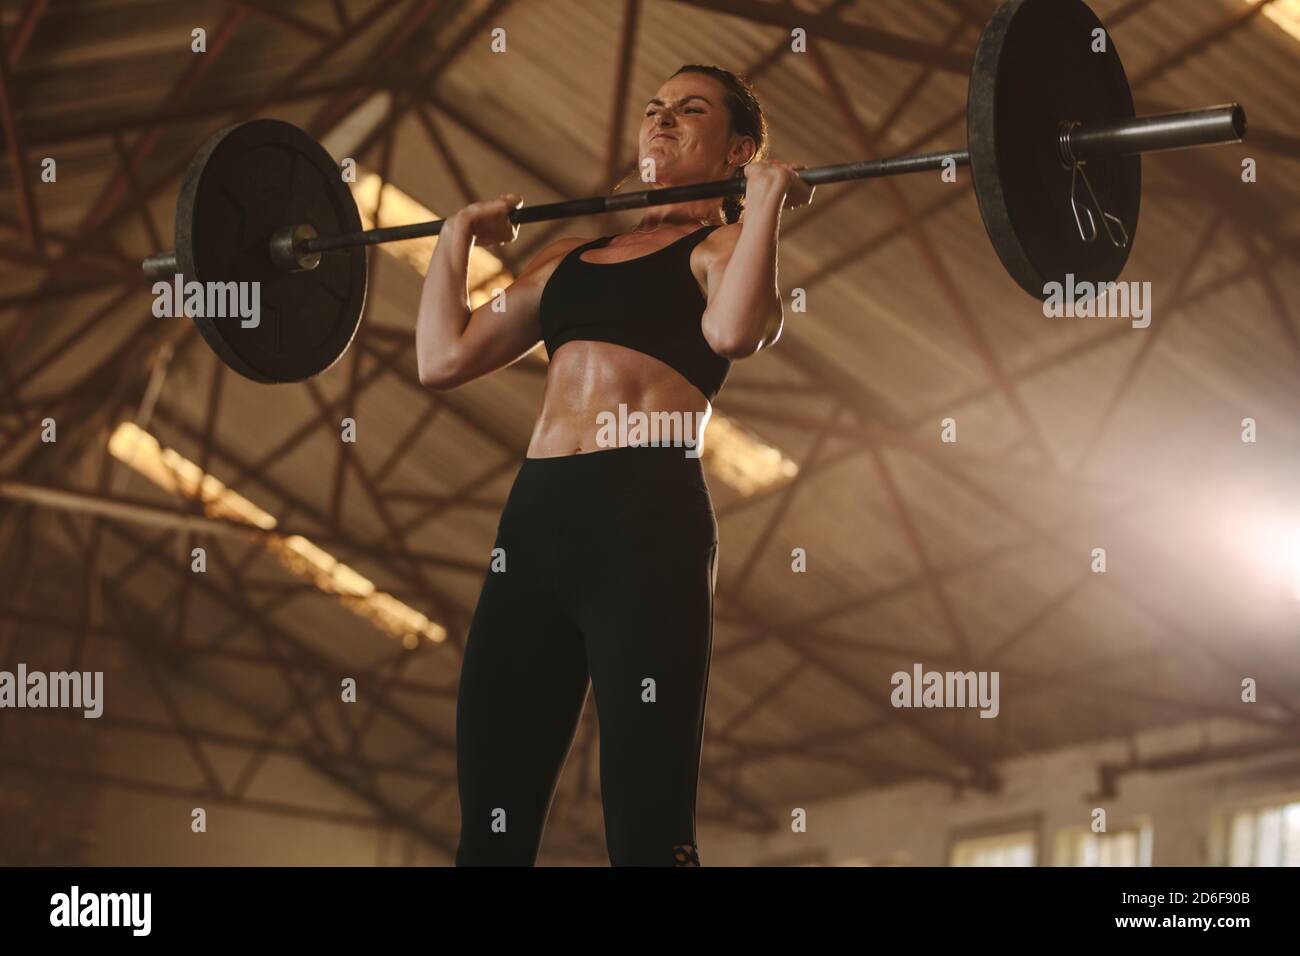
746 309
444 302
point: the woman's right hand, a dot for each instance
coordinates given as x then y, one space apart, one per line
488 220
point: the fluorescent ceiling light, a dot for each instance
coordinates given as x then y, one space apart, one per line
486 271
1284 13
175 473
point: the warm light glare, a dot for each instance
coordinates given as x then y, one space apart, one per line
1285 13
743 460
173 472
1282 546
1274 544
1292 550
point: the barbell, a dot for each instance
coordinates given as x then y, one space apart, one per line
1054 148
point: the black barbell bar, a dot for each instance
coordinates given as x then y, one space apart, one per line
295 247
1149 134
867 169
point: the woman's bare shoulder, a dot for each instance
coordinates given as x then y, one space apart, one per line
720 242
716 248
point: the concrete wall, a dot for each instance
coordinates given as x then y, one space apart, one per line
915 824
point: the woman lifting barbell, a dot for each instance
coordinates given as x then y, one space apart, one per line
609 546
611 551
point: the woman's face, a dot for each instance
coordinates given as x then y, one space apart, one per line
687 132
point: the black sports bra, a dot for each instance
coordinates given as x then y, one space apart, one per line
651 304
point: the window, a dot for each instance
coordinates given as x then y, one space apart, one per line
816 857
1128 845
1266 835
901 858
1002 849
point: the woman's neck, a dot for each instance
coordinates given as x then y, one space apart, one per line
703 213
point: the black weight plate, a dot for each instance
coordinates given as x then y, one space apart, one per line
1034 68
247 181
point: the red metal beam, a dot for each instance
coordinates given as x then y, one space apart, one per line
622 80
26 27
28 216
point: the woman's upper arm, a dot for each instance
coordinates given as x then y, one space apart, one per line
507 325
720 245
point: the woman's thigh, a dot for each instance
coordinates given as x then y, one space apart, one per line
523 686
648 626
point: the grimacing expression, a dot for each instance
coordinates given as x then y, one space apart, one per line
686 130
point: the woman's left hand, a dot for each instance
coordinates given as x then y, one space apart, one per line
783 178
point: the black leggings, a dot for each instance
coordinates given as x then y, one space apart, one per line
610 562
